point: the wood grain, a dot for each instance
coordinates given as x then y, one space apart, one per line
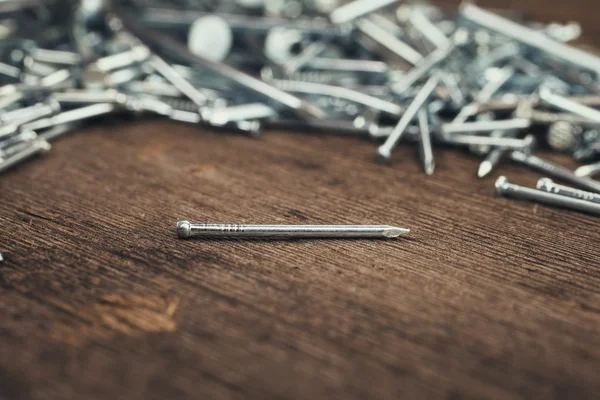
487 298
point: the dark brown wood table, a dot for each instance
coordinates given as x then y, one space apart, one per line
486 298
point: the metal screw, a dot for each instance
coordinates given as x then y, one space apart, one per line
547 185
555 171
504 188
186 229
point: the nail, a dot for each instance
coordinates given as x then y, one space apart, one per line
137 54
565 104
56 57
339 92
77 114
10 71
178 20
384 152
7 102
547 185
428 29
495 85
38 68
305 56
170 74
15 140
425 149
84 97
356 9
186 229
23 115
154 88
588 170
504 188
494 157
422 68
36 147
486 126
530 37
507 143
555 171
243 112
387 40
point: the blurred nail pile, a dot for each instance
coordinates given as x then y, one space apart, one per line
489 82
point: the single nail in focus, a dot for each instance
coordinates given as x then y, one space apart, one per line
186 229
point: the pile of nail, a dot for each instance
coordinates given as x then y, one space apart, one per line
487 81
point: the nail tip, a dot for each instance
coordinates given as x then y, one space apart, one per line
394 232
484 170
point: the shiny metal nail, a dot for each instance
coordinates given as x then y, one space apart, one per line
56 57
425 148
530 37
14 140
10 71
547 185
507 143
423 67
390 42
339 92
384 152
495 155
565 104
356 9
555 171
485 126
185 87
31 113
85 97
36 147
305 56
38 68
136 54
186 229
504 188
428 29
243 112
75 115
588 170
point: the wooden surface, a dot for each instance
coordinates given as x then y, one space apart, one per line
486 298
